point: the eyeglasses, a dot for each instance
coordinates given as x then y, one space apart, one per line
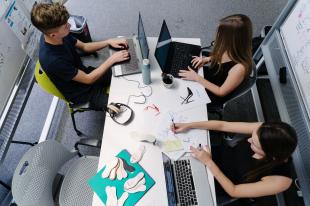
187 100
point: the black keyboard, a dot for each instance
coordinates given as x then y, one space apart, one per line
182 57
185 183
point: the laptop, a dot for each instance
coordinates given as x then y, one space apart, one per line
186 182
173 56
138 50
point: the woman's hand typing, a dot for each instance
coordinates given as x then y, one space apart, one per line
198 62
189 74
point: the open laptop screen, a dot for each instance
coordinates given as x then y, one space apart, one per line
170 183
142 39
162 47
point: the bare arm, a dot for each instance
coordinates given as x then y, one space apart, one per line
93 76
233 80
233 127
268 185
91 46
95 46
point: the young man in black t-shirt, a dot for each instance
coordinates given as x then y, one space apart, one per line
61 62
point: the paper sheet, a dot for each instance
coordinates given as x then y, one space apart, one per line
4 5
23 29
199 95
189 138
172 145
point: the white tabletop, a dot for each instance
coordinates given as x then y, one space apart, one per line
117 137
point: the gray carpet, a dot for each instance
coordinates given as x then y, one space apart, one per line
29 130
106 19
185 18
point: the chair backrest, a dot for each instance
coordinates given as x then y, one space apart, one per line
45 83
245 86
33 178
74 188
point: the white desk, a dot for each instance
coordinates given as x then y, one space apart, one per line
117 138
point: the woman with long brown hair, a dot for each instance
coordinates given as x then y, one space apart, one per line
269 167
230 61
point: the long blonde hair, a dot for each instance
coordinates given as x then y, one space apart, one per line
234 36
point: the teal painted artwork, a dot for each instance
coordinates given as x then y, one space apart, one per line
98 184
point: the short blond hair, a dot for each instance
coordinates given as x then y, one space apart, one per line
46 17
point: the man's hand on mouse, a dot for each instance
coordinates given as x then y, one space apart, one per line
118 43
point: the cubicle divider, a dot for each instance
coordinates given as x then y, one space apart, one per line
286 60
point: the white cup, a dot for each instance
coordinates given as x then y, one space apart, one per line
167 80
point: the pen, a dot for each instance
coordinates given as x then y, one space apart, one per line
173 125
199 147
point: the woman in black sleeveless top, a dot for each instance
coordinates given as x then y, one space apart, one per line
230 61
268 170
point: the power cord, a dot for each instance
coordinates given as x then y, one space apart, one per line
142 94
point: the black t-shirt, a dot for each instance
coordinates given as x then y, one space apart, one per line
61 63
217 77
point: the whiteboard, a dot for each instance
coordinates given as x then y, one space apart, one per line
295 32
11 59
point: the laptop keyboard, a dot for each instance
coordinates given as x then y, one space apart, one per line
185 183
182 60
132 65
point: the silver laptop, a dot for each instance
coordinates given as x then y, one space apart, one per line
138 49
186 182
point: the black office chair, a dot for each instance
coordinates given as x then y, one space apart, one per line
243 88
226 200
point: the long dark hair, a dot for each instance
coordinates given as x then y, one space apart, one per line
278 141
234 35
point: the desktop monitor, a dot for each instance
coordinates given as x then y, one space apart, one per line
142 39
